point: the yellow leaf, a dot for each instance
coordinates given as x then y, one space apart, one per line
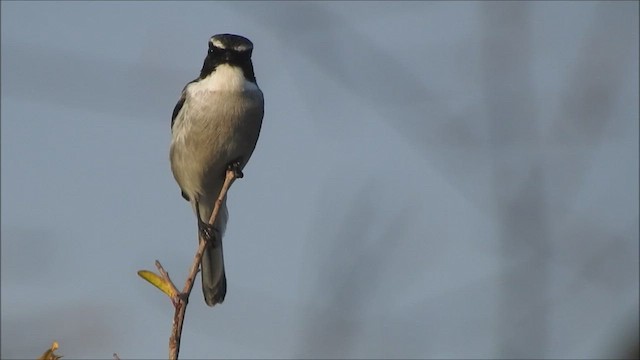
49 354
158 282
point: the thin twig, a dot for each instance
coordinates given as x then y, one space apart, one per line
165 276
183 298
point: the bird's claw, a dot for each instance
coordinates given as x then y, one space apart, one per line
235 167
208 233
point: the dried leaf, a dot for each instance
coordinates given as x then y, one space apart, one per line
50 354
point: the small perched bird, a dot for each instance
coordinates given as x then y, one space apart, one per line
215 127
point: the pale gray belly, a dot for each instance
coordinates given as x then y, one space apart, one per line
211 132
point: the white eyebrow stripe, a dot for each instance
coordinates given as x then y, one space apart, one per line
217 43
243 47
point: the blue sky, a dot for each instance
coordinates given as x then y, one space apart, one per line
432 179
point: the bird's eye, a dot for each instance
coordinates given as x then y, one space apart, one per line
212 48
215 50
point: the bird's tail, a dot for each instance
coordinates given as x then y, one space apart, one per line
214 281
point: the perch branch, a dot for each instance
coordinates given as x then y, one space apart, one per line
180 304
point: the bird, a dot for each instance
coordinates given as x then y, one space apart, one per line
215 127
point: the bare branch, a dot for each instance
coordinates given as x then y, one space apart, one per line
183 298
165 276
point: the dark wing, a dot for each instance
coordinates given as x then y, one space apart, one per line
183 97
176 110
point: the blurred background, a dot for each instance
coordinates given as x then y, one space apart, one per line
432 180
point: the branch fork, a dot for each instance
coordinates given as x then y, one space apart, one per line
180 299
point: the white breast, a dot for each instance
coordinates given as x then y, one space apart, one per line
216 103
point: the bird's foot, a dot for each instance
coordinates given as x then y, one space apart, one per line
235 167
208 233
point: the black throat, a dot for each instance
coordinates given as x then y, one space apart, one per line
241 60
